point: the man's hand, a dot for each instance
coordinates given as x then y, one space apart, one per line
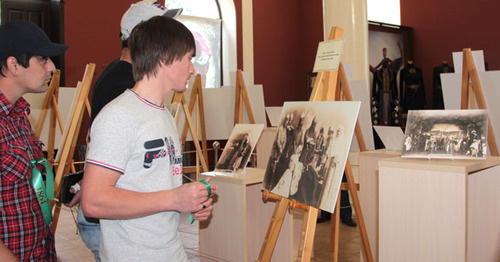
205 212
75 200
5 253
102 199
193 197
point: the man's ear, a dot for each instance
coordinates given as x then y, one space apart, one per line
12 65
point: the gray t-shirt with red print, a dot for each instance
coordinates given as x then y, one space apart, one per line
140 141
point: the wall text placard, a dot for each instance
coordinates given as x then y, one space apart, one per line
328 55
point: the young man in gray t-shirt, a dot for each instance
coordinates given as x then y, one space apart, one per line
133 176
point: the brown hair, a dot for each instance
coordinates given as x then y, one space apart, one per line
155 41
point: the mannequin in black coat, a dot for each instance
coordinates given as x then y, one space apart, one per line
412 87
385 99
437 92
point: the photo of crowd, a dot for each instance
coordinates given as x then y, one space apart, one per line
446 134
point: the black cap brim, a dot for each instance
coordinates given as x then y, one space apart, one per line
51 50
173 13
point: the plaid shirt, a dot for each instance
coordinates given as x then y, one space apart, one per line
22 228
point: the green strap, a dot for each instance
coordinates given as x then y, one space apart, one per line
191 218
209 191
42 193
207 185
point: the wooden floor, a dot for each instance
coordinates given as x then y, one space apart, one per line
70 247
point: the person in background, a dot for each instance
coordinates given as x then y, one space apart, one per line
117 77
25 67
133 173
345 209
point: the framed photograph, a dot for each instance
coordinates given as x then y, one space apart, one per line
460 134
392 38
239 147
389 50
309 153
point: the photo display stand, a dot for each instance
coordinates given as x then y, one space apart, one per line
64 159
50 104
471 87
196 99
241 96
328 86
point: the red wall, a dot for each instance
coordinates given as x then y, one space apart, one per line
446 26
286 34
239 43
92 30
311 33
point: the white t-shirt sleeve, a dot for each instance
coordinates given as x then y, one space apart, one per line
111 139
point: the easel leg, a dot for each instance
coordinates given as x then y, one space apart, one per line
307 234
195 138
335 230
273 231
359 213
55 219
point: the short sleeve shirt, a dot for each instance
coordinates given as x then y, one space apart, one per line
139 140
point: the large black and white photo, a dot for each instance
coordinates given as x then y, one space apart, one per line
308 156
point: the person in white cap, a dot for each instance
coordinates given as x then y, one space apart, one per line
117 77
133 173
113 81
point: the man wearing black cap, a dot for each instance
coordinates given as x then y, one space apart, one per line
25 67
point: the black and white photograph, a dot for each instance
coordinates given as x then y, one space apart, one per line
460 134
309 154
239 147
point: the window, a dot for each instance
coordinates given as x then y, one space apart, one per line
384 11
203 18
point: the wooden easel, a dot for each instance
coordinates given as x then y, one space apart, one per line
196 99
328 86
333 86
469 72
50 104
241 96
64 160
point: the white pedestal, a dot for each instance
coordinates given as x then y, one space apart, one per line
439 210
368 193
240 220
